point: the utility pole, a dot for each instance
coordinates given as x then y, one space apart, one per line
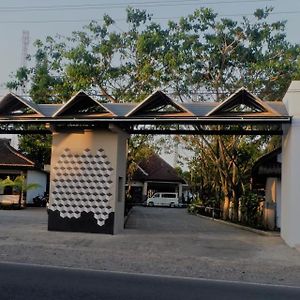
14 140
25 44
176 154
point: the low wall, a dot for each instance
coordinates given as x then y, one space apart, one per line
9 200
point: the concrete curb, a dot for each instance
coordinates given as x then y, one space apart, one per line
257 231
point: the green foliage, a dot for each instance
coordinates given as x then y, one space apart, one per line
19 184
201 57
199 53
37 148
221 168
251 212
7 182
193 207
140 147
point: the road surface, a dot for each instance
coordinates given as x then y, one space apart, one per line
160 241
19 281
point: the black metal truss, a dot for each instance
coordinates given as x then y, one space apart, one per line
187 126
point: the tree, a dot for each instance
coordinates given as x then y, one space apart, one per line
201 57
37 148
19 185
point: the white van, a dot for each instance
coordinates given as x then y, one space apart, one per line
163 199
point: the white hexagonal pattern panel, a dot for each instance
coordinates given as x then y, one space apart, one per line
82 183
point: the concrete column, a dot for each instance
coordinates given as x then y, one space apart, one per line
270 203
180 192
290 196
145 190
87 181
278 203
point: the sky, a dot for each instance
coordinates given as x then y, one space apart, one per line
44 18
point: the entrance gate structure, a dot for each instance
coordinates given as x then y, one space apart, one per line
89 147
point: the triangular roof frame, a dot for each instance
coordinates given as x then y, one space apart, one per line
10 97
252 100
71 101
153 97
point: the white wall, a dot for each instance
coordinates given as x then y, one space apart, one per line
114 144
34 176
121 163
278 203
290 176
270 203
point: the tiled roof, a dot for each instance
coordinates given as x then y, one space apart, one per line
154 168
10 157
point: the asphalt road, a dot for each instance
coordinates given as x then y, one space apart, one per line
158 241
20 281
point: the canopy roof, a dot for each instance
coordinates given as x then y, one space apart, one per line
159 104
14 106
157 114
243 103
82 105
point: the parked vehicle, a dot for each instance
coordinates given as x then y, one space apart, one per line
163 199
41 200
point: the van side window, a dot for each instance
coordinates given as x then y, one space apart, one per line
169 195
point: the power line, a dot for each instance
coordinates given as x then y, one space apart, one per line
121 5
295 12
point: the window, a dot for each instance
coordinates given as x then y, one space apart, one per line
169 195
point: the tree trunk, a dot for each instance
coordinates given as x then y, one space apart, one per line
226 201
235 199
226 204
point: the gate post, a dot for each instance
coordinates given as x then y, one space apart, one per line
290 174
87 181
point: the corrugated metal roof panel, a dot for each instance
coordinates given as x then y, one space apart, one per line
279 107
120 109
200 109
49 109
9 101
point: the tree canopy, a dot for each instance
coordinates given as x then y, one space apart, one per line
200 57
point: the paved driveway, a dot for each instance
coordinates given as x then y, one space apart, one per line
156 241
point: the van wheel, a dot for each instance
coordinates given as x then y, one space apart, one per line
172 204
150 204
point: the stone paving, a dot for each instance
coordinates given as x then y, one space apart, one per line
160 241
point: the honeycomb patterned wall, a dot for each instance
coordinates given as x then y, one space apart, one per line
82 183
